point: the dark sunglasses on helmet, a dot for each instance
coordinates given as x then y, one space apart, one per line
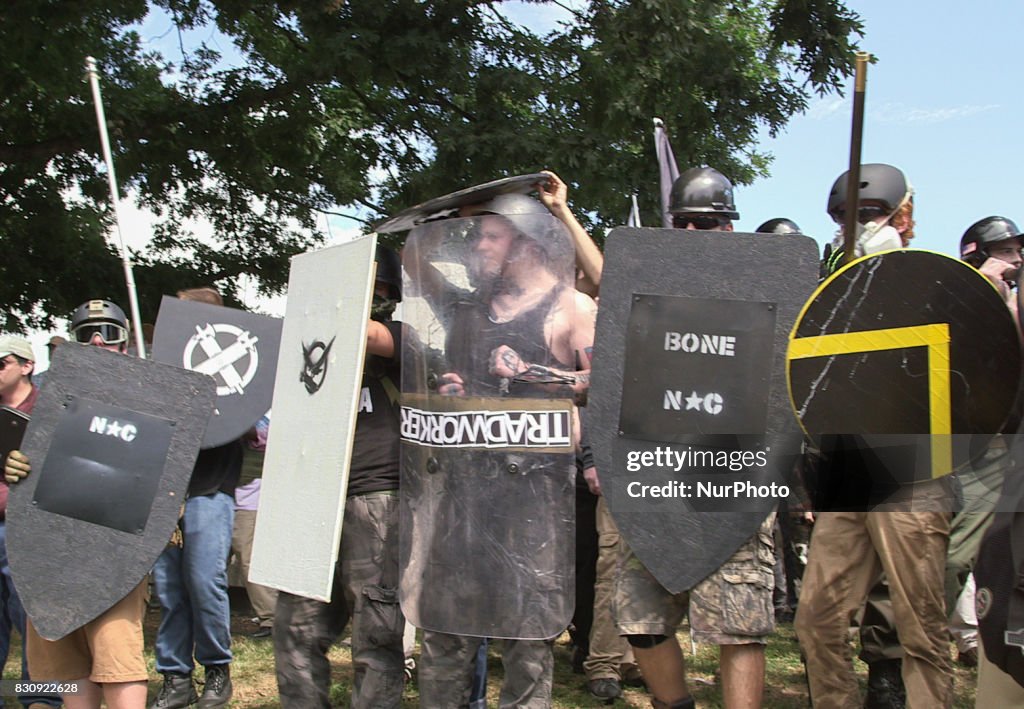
864 214
110 333
704 222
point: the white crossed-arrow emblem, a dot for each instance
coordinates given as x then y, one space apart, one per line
222 360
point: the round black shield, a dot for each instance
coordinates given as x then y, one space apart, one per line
238 349
908 361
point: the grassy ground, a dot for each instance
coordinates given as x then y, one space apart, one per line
255 687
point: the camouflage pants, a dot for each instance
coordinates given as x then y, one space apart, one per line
732 606
365 590
446 672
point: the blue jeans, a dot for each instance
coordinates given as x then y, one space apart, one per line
12 615
192 585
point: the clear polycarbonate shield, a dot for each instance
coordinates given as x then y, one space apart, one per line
489 362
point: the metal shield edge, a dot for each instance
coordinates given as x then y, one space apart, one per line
408 218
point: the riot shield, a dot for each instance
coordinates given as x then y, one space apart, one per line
487 496
689 417
236 348
903 366
449 204
12 430
316 397
112 443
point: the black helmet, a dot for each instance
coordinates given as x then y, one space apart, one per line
99 317
702 190
878 181
987 231
779 225
389 270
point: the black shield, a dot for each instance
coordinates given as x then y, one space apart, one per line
903 365
112 443
238 349
689 416
487 497
12 429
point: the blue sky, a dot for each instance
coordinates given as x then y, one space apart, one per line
943 103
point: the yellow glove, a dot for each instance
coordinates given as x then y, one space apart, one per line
16 466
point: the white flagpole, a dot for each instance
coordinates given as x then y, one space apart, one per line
133 296
634 212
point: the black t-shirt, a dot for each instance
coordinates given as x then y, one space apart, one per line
216 469
375 452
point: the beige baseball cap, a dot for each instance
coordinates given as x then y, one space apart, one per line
19 346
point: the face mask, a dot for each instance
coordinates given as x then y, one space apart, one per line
872 238
382 308
875 237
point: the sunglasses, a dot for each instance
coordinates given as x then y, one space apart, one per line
703 222
110 333
5 362
864 214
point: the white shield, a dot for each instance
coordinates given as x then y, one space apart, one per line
316 397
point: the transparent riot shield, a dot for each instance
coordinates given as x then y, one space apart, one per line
487 495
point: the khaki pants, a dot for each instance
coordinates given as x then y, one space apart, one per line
848 551
262 598
608 650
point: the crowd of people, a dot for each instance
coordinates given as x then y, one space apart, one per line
525 327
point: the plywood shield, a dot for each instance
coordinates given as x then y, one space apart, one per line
316 396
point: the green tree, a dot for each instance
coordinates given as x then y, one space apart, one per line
367 107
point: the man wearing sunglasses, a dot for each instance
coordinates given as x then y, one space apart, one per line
702 199
111 646
885 214
732 607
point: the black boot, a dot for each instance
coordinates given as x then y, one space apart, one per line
178 692
885 685
217 692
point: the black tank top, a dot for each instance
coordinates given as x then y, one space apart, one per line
473 336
